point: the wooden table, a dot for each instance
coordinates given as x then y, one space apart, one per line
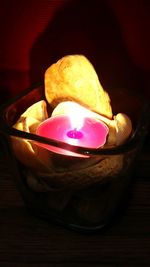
29 241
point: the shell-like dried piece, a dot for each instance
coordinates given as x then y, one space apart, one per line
120 129
123 128
74 78
25 150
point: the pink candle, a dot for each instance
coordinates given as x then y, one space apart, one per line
84 132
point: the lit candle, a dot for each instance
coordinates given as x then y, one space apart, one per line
73 129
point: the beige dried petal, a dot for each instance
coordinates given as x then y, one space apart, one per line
25 150
74 78
123 128
37 111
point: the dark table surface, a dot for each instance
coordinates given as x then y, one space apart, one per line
29 241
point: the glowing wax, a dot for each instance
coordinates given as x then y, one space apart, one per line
89 133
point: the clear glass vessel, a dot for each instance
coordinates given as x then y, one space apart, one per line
80 193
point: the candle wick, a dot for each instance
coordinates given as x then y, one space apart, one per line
75 134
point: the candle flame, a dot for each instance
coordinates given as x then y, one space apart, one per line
77 116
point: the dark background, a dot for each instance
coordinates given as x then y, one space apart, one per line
113 34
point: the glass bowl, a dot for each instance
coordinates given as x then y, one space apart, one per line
82 193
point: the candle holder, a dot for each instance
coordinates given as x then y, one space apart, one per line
82 193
